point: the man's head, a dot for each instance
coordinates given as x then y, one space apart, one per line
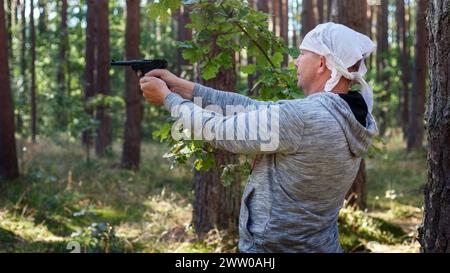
313 73
331 58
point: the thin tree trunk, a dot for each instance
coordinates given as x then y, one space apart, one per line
320 13
104 130
416 122
62 64
382 64
9 26
33 73
23 65
276 16
284 27
9 168
434 233
89 71
132 137
308 18
403 58
42 24
250 59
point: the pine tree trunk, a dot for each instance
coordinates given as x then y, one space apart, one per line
403 58
216 205
250 59
284 27
382 64
23 65
33 73
132 134
308 18
353 13
104 130
416 122
434 233
320 13
62 64
89 70
8 156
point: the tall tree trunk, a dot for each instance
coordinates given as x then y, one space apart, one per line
434 233
104 130
320 13
183 33
42 24
276 17
89 70
23 87
284 27
308 18
9 26
250 59
329 9
132 137
33 73
382 64
353 13
416 122
8 155
62 64
403 57
216 205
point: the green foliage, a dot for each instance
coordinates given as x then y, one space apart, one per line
222 28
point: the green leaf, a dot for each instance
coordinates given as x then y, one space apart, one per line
210 70
277 58
249 69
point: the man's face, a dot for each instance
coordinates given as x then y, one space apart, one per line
307 64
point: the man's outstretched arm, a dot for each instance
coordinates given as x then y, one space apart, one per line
210 96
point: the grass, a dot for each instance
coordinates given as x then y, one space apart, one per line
62 199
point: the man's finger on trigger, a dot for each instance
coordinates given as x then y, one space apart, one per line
155 73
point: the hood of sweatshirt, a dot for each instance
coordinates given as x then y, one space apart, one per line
349 111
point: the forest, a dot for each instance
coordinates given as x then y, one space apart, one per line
86 165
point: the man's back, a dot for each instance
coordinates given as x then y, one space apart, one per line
291 202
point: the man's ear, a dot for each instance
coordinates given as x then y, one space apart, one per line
322 64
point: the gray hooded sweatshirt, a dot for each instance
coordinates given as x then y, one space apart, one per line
293 196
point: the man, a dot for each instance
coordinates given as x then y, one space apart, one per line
297 187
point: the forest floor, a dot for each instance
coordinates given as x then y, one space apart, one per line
63 201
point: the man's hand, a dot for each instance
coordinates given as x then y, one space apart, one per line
183 87
154 90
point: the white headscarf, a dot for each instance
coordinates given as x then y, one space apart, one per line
342 48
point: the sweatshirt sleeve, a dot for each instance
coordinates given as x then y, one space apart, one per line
274 128
211 96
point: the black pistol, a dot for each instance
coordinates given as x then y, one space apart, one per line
141 67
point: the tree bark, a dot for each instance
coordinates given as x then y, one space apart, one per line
416 119
216 205
403 58
23 64
434 233
62 64
308 17
284 27
9 168
132 135
353 13
320 13
382 64
33 74
104 130
89 71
